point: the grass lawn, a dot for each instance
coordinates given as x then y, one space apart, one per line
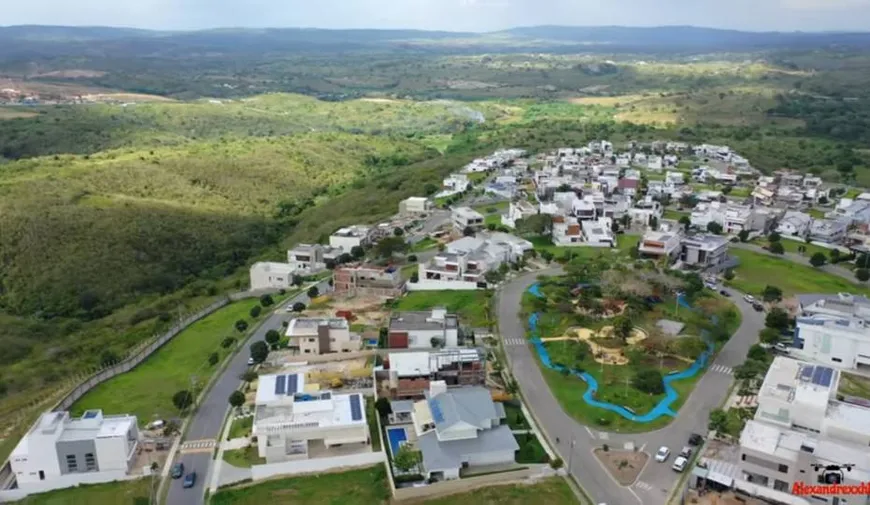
624 243
494 219
757 270
674 214
367 486
131 492
477 176
146 391
531 450
791 246
408 270
241 427
552 491
515 417
493 208
244 458
424 245
854 385
371 418
816 213
468 304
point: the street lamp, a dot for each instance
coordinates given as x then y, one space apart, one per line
571 455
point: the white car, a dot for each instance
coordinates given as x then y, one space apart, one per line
250 361
680 464
749 299
663 454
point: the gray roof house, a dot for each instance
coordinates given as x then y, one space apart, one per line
460 428
829 230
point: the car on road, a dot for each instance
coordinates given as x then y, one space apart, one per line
695 439
758 307
177 470
250 361
662 454
680 464
749 299
189 480
724 293
686 452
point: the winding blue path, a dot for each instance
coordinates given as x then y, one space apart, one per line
663 408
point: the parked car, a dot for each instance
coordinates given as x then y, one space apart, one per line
662 454
250 361
749 299
758 307
686 452
177 470
680 464
189 480
695 439
780 347
724 293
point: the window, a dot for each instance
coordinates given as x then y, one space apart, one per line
71 463
783 468
807 448
90 462
780 485
41 475
836 360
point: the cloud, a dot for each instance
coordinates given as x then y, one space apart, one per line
825 4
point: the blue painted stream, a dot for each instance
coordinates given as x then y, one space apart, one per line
663 408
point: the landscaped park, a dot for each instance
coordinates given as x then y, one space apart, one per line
622 347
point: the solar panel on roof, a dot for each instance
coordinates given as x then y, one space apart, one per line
435 408
817 375
280 384
292 384
355 408
827 376
807 372
90 414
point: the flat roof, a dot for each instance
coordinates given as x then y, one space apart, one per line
306 325
422 321
278 387
271 266
334 410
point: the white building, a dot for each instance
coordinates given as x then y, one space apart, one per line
294 421
706 250
466 217
314 335
415 205
416 330
350 237
646 210
793 223
675 178
271 275
654 163
518 210
311 258
834 329
660 244
828 230
732 218
464 263
60 451
799 426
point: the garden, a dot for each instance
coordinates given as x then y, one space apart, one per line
624 329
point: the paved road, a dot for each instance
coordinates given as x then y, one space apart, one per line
436 219
656 480
208 420
803 260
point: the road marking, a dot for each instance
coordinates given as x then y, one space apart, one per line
589 431
198 446
643 485
722 369
642 447
630 490
514 341
603 435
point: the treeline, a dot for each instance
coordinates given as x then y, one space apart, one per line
845 119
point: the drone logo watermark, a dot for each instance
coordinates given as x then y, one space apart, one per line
830 482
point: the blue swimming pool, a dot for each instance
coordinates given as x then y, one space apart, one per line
663 408
396 437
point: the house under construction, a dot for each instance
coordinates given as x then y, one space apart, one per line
407 375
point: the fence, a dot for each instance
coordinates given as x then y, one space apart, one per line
318 465
463 485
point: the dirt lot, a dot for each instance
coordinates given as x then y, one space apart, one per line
367 310
624 466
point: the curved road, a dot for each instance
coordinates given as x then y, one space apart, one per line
209 418
656 479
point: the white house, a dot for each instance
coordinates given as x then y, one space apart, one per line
800 426
518 210
314 335
464 263
311 258
793 223
350 237
461 428
416 330
834 329
415 205
660 244
292 420
466 217
828 230
706 251
456 182
271 275
598 233
60 451
645 210
654 163
675 178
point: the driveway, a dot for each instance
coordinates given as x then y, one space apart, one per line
209 418
656 480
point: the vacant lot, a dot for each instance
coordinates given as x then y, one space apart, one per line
131 492
854 385
468 304
553 491
756 271
147 390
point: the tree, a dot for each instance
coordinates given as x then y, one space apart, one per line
298 280
255 311
686 222
653 222
729 274
415 278
774 237
862 274
398 231
248 376
626 221
818 259
406 458
714 227
241 325
266 301
109 358
649 381
538 224
776 248
430 189
835 255
547 256
298 307
357 252
313 292
272 337
182 400
726 189
863 261
237 399
330 264
743 235
757 353
493 276
259 351
771 294
228 342
718 420
777 318
435 342
383 407
389 246
622 327
769 336
213 358
468 231
345 258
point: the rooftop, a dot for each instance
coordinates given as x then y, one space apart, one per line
279 387
413 364
353 231
309 325
92 425
706 241
467 213
798 382
468 405
318 410
438 455
436 319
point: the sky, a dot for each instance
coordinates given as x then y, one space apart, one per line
452 15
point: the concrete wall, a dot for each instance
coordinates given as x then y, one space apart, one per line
260 472
433 285
287 358
65 481
461 486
